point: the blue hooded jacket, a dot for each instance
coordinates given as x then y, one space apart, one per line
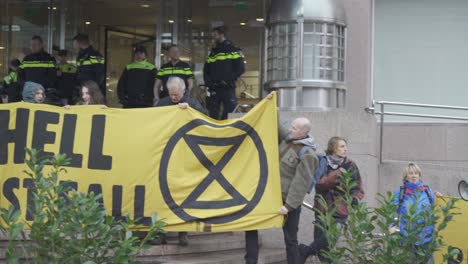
415 192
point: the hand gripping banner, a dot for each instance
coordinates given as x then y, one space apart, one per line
196 173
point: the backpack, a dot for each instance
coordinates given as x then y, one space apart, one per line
319 171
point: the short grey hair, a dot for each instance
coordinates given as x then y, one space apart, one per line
175 81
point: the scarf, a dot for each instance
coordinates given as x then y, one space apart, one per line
334 162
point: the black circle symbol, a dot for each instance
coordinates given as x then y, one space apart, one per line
215 172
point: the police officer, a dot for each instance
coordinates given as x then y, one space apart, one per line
223 67
175 67
135 87
90 63
66 82
11 88
39 67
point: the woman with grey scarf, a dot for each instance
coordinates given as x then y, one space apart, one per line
328 189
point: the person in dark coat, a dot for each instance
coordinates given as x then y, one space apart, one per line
135 86
90 63
39 67
222 68
175 67
66 82
177 96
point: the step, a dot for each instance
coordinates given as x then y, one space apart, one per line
198 244
235 256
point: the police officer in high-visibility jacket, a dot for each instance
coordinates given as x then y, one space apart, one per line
11 91
223 67
39 67
175 67
135 87
66 82
90 63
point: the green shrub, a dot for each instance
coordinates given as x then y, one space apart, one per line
69 225
366 239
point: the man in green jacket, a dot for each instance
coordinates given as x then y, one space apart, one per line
298 162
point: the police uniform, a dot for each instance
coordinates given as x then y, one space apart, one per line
39 68
66 83
135 87
223 67
180 69
90 66
11 87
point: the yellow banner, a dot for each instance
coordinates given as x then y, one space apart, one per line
456 234
196 173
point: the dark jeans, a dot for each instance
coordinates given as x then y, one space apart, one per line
251 247
290 229
320 244
225 95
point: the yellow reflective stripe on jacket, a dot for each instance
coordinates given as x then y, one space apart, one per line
91 60
170 71
12 77
37 64
224 56
144 65
67 68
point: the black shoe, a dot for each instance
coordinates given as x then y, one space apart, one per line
303 253
183 239
160 240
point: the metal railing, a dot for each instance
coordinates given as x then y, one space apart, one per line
382 113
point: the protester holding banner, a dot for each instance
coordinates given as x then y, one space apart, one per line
328 189
90 95
177 96
33 93
296 172
413 192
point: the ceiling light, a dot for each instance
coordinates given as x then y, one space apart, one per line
170 21
242 23
145 5
260 19
2 47
162 55
54 8
87 22
189 20
245 61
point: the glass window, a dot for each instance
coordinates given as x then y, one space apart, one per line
325 50
284 52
